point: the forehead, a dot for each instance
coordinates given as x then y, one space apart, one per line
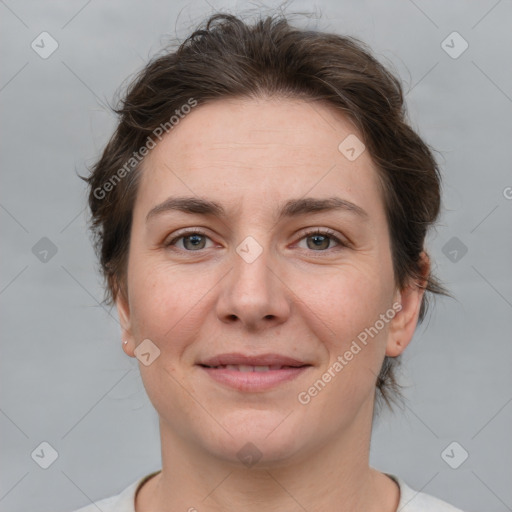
259 151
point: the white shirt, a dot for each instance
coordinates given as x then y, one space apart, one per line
410 500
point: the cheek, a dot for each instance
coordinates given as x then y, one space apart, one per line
353 336
347 300
166 300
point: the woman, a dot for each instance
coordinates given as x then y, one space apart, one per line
260 215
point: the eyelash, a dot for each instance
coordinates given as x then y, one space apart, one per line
315 232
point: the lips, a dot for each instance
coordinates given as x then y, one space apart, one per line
253 373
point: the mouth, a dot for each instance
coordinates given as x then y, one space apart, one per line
253 373
249 368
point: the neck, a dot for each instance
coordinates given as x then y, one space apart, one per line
333 475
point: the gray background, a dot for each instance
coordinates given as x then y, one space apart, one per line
65 379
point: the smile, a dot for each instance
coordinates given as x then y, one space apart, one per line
249 368
253 378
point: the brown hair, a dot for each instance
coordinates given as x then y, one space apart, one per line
227 57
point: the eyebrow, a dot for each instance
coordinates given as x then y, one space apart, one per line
292 208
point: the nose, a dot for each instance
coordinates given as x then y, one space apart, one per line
254 294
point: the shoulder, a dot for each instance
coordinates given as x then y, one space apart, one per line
414 501
122 502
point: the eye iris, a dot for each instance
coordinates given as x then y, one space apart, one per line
197 242
319 241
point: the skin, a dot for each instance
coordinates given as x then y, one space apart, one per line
251 156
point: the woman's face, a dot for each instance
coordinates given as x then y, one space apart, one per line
293 260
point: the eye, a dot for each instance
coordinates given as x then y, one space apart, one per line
190 241
320 240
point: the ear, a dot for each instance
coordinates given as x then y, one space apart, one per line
123 311
403 324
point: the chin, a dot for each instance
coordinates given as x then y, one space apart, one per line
255 438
